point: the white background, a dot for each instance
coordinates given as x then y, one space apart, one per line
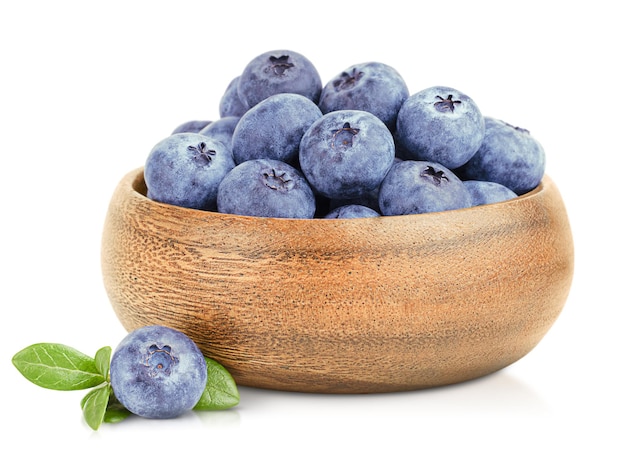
88 88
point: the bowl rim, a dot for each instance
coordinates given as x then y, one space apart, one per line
138 190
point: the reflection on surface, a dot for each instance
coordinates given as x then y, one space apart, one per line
497 401
219 419
496 394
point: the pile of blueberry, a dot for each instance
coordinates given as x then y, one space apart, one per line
288 146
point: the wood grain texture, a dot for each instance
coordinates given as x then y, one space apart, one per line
344 306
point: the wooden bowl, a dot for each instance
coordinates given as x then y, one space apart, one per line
344 306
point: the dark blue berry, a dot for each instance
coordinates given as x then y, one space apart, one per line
484 192
415 187
508 155
372 87
185 169
158 372
230 105
273 128
192 126
439 124
266 188
276 72
352 211
346 154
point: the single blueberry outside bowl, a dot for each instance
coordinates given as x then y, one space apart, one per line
344 305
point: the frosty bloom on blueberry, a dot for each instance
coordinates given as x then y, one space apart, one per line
191 126
352 211
266 188
508 155
340 142
230 104
413 187
485 192
346 154
440 124
185 169
275 72
273 128
372 87
158 372
221 130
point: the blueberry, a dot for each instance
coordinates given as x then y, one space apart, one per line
440 124
192 126
415 187
266 188
372 86
368 199
273 128
221 130
230 104
346 154
276 72
158 372
485 192
509 156
185 169
352 211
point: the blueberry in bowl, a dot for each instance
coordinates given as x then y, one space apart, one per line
345 154
508 155
278 71
440 124
266 188
185 169
372 86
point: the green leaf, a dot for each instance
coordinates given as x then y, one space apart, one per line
221 390
94 405
115 412
103 361
56 366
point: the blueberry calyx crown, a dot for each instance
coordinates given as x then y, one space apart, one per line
202 151
344 137
278 65
435 176
347 80
276 181
445 105
159 361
